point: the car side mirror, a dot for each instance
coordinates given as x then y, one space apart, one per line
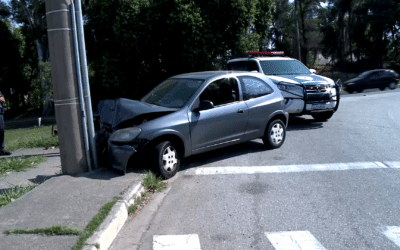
205 105
313 71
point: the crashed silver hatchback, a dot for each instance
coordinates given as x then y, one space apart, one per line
189 114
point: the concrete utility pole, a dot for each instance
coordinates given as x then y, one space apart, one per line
297 29
66 101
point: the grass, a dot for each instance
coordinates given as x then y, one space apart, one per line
51 231
14 193
151 184
19 164
35 137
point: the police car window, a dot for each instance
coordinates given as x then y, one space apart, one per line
253 87
238 66
253 66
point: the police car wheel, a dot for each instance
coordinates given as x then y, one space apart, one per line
323 116
166 159
275 134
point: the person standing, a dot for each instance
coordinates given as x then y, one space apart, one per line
2 149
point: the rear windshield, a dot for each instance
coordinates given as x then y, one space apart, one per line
284 67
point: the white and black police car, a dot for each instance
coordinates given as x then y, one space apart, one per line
305 92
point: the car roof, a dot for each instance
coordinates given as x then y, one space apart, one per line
205 75
264 58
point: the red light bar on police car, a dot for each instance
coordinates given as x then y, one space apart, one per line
266 53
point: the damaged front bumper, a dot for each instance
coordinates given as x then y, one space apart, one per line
119 155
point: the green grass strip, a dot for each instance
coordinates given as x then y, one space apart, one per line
14 193
13 164
94 224
30 138
153 183
51 231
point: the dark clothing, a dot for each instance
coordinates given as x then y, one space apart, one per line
1 125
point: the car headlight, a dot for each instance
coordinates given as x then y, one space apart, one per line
125 135
290 88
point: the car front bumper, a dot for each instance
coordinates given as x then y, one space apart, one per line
119 155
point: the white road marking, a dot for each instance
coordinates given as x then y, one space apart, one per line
393 233
294 240
289 168
393 164
176 242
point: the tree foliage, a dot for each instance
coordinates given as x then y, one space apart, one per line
133 45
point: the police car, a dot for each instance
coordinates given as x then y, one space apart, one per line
303 90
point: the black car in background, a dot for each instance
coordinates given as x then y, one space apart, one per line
379 78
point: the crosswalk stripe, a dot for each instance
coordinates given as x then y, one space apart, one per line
176 242
290 168
393 164
393 233
294 240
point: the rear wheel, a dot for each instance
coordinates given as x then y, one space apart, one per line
323 116
275 134
392 85
166 159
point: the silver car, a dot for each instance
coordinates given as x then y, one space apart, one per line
190 114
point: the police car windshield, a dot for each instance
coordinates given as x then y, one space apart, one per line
173 92
283 67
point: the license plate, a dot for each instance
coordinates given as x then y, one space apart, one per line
318 106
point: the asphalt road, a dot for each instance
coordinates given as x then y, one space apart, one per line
346 194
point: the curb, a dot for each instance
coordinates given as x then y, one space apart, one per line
115 220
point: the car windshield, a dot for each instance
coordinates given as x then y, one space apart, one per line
173 92
283 67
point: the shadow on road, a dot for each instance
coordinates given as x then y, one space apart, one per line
297 123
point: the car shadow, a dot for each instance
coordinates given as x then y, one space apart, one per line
225 153
297 123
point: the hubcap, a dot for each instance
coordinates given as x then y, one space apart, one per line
277 133
170 159
392 85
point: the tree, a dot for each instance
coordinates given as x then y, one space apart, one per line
32 15
133 45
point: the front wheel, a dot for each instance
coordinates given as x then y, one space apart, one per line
166 159
392 85
323 116
275 134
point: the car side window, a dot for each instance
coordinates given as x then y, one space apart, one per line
221 92
254 87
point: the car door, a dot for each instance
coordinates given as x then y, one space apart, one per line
261 103
373 80
225 123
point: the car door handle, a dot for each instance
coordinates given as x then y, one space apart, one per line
240 111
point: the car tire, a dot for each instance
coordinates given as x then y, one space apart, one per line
350 91
392 85
275 134
166 159
323 116
382 88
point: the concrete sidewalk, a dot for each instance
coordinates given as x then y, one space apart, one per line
64 200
